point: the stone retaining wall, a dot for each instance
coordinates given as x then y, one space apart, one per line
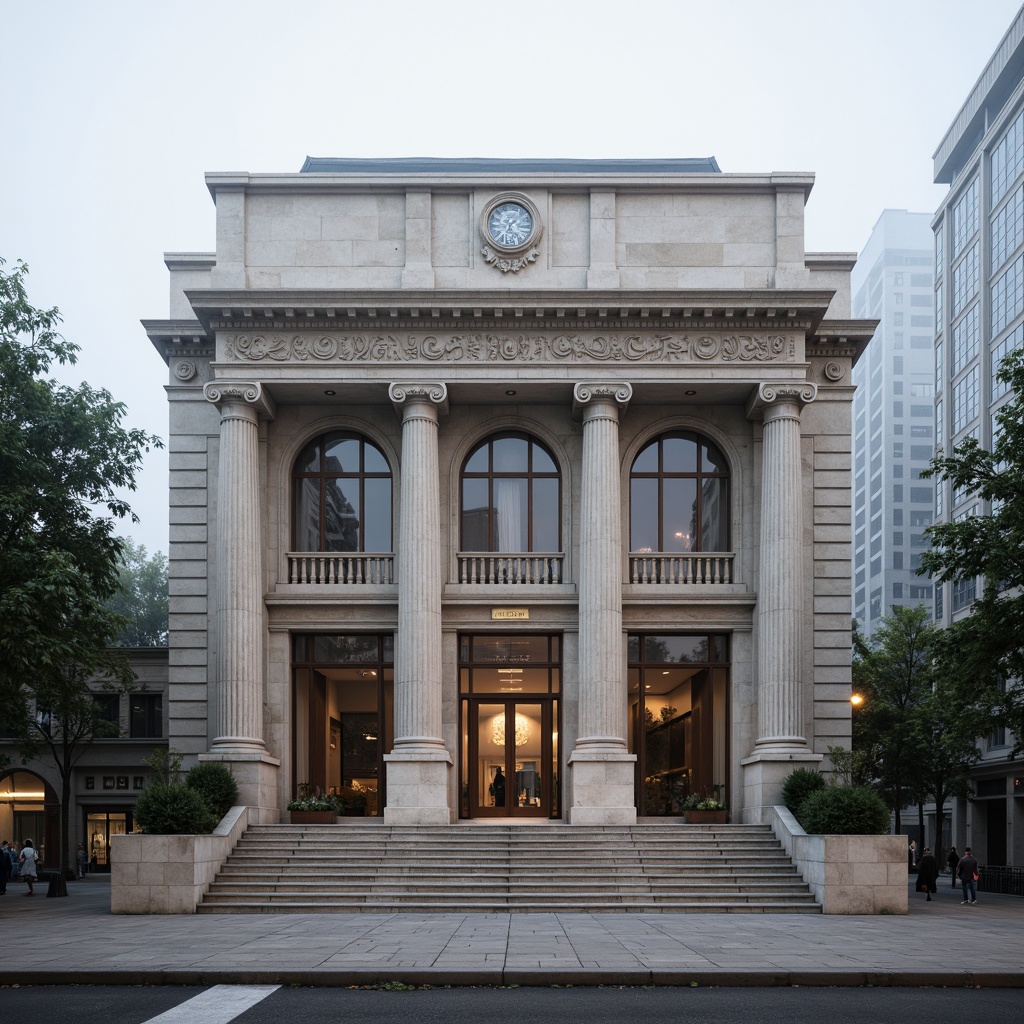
848 874
169 874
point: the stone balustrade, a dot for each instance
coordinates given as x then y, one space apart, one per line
344 567
527 567
663 569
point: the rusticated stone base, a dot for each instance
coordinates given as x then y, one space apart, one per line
764 773
256 775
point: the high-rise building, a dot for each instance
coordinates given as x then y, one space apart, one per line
893 283
979 306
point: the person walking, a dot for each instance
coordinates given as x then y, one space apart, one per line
951 862
912 856
967 872
29 866
82 859
927 873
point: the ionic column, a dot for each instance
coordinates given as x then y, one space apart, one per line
238 619
780 605
238 625
418 766
781 745
602 767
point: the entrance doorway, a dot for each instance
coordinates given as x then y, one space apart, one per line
509 750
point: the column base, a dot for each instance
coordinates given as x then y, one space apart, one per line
256 775
764 772
603 789
418 788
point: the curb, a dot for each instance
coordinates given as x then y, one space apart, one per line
526 978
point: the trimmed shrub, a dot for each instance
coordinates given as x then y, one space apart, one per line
845 810
214 782
173 810
799 785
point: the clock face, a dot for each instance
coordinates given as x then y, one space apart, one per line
510 225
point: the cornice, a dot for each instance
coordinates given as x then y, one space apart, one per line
317 309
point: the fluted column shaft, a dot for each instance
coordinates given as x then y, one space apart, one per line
239 608
418 689
602 695
780 591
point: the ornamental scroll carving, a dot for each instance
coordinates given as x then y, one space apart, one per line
525 347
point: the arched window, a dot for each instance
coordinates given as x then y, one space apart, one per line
679 496
342 495
511 496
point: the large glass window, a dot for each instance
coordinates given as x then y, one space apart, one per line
679 496
343 715
511 496
146 718
679 715
342 495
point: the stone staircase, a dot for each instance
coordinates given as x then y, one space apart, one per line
548 867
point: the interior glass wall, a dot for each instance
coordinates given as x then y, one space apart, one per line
679 714
343 714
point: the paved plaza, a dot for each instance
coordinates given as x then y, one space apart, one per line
75 940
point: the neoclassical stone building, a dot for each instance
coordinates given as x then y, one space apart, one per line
510 488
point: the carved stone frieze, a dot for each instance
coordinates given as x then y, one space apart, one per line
519 347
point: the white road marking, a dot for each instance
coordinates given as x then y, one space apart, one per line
216 1005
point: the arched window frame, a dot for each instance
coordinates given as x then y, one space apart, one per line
700 474
322 475
530 475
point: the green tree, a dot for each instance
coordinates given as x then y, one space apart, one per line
894 673
141 597
64 458
988 645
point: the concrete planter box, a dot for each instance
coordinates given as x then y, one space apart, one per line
169 874
848 874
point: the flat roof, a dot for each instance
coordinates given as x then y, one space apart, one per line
498 165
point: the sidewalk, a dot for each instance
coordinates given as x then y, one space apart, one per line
75 940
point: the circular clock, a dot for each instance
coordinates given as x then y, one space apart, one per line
510 225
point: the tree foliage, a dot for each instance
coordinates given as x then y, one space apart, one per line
141 597
988 645
65 459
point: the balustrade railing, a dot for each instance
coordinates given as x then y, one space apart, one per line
524 567
661 568
344 567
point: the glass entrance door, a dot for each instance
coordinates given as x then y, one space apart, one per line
509 754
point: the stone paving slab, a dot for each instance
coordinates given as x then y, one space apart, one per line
75 940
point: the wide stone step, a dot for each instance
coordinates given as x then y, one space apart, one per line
372 867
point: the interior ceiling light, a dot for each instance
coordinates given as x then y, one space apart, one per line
331 393
690 392
510 392
522 727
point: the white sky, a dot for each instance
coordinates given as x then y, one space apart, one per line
113 110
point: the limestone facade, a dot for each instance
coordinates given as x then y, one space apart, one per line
656 307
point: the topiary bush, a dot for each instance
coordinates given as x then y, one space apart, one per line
799 785
214 782
844 810
173 809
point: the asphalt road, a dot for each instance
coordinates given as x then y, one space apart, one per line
270 1005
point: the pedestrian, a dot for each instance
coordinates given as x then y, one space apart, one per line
15 863
5 866
82 859
29 866
927 873
912 856
967 872
498 788
951 862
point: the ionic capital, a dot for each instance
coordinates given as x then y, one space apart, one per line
407 393
225 393
588 392
774 400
